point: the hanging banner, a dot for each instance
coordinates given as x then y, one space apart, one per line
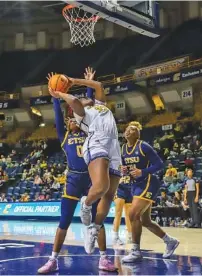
10 104
185 74
161 68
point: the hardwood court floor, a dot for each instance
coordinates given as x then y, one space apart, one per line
25 246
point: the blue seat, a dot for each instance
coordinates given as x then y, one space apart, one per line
22 190
10 191
198 173
56 195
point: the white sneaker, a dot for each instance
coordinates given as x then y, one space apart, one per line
170 247
90 238
133 256
86 215
117 241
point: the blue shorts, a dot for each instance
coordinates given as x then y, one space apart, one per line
77 185
147 189
124 192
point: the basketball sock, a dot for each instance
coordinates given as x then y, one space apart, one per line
97 226
166 238
116 235
87 207
135 247
54 255
129 235
103 254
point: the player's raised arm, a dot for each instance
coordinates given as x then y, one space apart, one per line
74 103
59 119
99 91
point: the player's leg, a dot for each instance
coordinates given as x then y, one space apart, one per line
102 212
71 195
98 171
68 207
104 262
109 146
137 209
152 226
119 203
127 207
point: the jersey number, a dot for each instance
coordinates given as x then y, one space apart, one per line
79 151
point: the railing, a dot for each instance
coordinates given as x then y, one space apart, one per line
4 96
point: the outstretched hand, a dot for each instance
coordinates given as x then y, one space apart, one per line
89 73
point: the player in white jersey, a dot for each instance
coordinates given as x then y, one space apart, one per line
101 152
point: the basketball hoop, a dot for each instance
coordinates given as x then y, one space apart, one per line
82 24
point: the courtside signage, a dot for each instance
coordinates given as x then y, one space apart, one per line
37 209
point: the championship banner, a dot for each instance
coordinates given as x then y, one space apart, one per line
39 209
10 104
185 74
161 68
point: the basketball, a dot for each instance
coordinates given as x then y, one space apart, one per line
59 83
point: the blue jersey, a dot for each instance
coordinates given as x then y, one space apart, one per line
72 147
141 156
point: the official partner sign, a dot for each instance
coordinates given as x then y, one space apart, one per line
37 209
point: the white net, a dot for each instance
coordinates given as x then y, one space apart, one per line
82 24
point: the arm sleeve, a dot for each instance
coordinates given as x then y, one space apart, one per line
90 93
59 119
156 164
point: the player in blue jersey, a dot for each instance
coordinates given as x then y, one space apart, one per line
78 184
142 162
101 153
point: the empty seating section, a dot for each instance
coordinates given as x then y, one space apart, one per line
163 119
43 133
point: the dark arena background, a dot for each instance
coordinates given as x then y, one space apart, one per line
148 56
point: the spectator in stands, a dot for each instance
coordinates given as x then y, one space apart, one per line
43 165
177 199
24 175
163 199
3 198
156 145
24 198
175 186
46 175
38 180
47 197
55 186
171 171
41 197
192 198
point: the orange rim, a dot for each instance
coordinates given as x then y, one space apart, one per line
69 7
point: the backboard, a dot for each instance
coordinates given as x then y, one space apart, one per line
138 16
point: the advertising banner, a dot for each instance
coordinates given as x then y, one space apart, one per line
10 104
185 74
161 68
120 88
37 209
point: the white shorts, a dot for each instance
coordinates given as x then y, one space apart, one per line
97 146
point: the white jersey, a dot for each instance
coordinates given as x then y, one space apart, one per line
99 119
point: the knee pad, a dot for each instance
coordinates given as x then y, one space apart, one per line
68 207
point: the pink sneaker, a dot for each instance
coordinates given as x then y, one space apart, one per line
106 264
50 266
